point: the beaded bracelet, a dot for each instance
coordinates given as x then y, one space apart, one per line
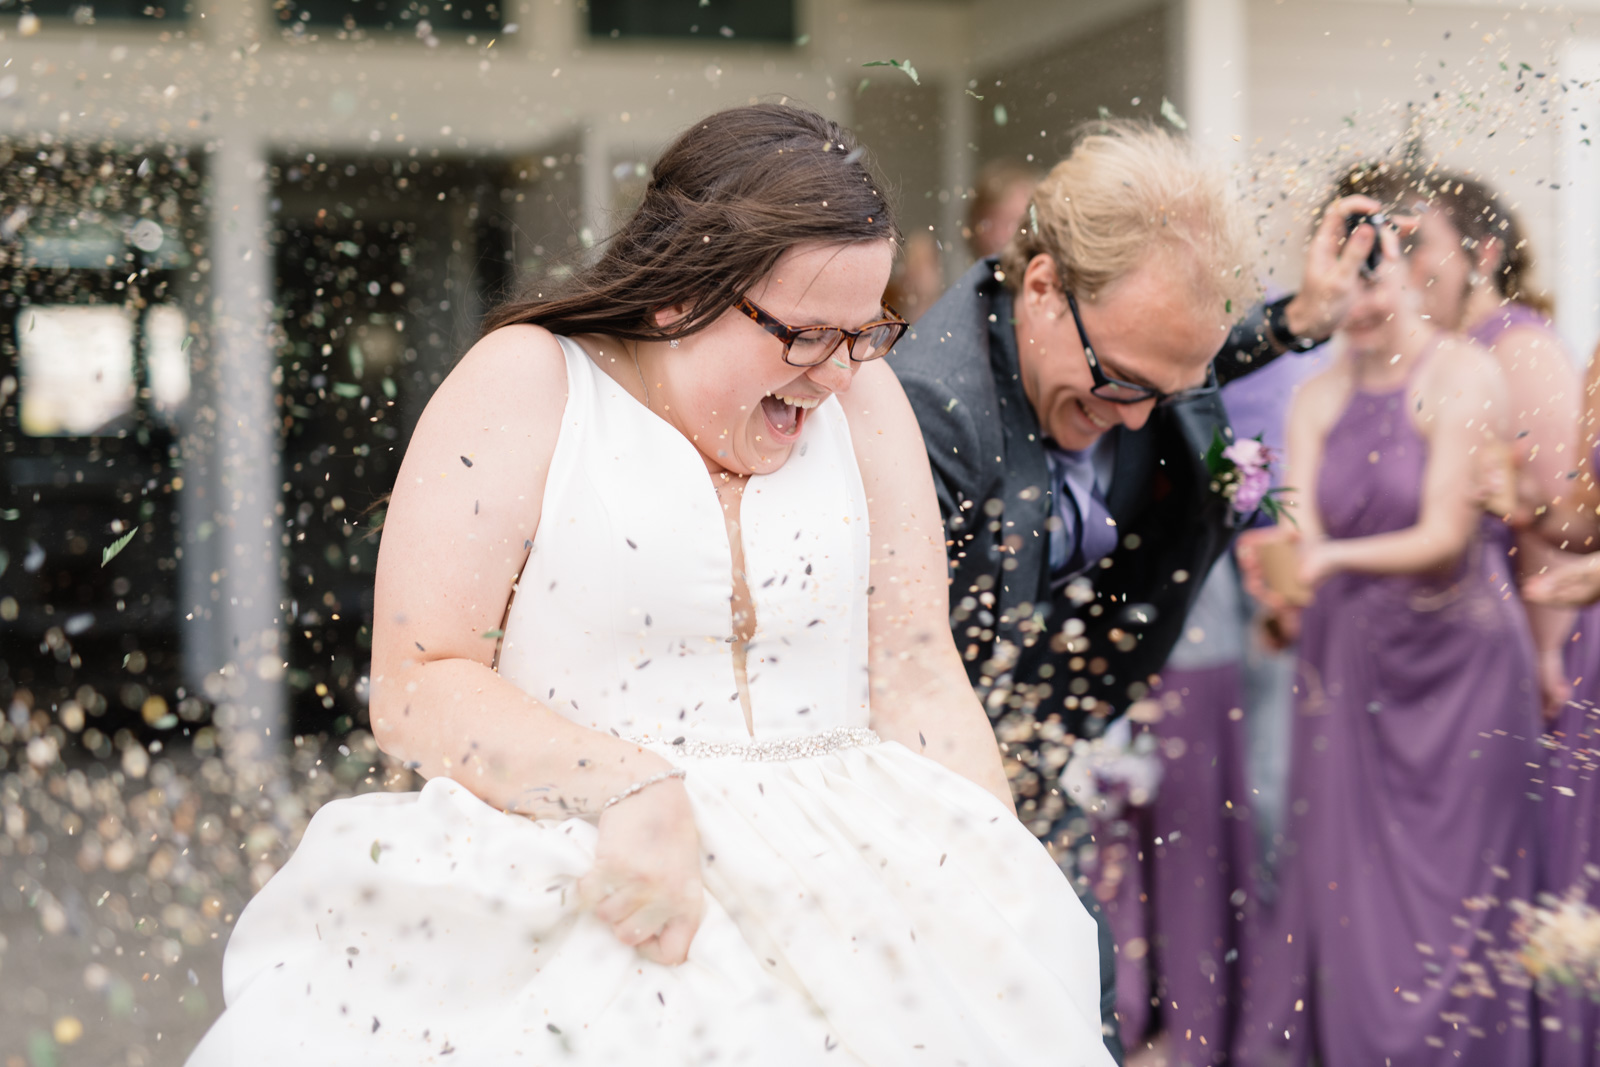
642 785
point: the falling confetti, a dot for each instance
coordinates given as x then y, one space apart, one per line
902 65
110 552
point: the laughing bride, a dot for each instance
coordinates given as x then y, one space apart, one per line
661 615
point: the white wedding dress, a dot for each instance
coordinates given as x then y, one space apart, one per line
864 905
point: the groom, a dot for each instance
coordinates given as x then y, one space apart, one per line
1067 393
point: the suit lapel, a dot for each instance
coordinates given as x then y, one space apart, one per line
1131 474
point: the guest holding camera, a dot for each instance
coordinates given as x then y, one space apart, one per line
1416 705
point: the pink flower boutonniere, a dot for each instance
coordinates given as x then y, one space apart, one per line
1242 472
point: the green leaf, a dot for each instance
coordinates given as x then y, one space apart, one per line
902 65
1105 112
1215 464
1503 65
187 341
493 635
1000 115
802 40
863 86
348 390
1227 307
974 95
109 553
10 514
376 849
389 389
1524 66
1170 113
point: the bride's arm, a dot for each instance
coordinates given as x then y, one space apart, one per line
920 693
464 509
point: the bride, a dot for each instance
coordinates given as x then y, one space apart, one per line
661 615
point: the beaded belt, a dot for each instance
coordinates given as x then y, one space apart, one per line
768 751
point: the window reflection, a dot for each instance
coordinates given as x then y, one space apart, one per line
167 350
77 368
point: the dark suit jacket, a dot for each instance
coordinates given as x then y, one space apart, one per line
1080 654
1083 652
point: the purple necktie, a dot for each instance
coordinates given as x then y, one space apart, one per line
1091 532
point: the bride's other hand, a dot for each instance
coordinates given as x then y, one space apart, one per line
645 883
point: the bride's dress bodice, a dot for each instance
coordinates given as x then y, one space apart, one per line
621 620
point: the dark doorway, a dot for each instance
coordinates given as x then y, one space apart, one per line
384 266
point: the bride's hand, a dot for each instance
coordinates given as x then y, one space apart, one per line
645 882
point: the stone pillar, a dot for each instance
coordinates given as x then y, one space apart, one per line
246 505
1577 252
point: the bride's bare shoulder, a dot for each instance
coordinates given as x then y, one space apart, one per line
513 359
497 414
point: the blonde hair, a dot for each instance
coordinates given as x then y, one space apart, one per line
1129 190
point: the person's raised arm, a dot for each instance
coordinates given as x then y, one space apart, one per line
1461 396
1328 287
920 693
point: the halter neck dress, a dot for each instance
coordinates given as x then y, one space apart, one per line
1416 714
1569 1021
864 905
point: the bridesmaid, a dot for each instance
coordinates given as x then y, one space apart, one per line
1416 706
1570 1030
1473 269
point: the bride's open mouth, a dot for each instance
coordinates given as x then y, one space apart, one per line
786 414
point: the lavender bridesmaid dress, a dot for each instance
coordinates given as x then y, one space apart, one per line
1410 819
1569 1020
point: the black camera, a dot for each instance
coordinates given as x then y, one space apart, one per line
1377 220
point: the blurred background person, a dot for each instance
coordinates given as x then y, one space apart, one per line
1416 697
999 204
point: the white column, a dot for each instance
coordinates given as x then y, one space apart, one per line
956 171
246 503
597 185
1577 252
1210 53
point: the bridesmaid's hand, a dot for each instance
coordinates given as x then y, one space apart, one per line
645 882
1318 562
1572 583
1554 687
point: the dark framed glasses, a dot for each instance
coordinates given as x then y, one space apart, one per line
809 346
1117 391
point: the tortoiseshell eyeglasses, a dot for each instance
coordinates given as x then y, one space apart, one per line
809 346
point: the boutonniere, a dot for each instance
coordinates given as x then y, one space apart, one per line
1242 473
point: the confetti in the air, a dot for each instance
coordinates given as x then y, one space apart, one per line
110 552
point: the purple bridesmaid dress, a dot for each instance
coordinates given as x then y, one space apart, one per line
1410 819
1569 1021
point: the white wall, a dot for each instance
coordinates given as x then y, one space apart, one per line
1334 81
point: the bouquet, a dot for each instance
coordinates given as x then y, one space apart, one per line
1557 944
1242 472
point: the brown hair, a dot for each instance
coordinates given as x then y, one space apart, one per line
1126 189
1471 206
724 201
